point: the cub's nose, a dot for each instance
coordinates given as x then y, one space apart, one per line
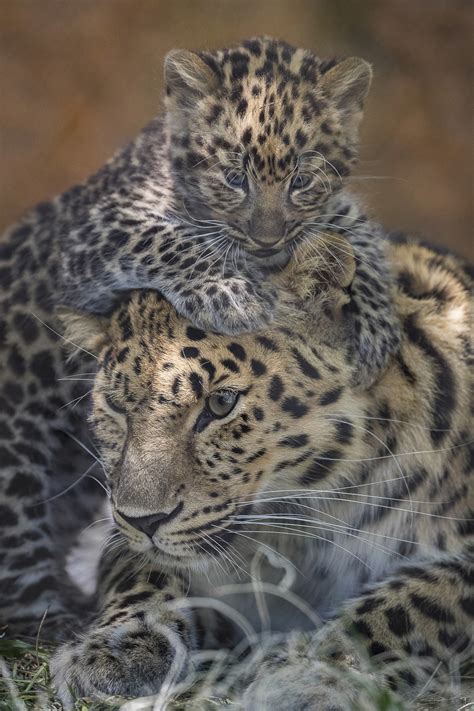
149 524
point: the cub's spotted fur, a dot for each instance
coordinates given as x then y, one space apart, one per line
218 448
249 159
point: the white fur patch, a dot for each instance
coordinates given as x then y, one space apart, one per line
82 561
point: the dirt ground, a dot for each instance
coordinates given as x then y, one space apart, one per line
79 77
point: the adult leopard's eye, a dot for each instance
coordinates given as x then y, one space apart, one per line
300 181
218 406
222 403
237 179
114 406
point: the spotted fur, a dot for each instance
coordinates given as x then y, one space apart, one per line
249 159
274 115
368 492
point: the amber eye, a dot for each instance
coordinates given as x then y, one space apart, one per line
300 181
218 406
222 403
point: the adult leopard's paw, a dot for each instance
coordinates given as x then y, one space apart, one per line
302 687
293 688
117 661
230 305
292 674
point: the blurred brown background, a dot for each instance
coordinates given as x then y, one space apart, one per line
79 77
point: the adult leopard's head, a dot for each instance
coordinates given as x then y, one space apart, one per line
193 427
261 138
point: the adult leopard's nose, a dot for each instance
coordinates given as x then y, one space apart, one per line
151 522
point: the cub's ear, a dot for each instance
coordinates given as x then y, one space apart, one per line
188 76
84 331
347 84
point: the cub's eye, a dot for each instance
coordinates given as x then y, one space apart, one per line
218 406
300 181
237 179
222 402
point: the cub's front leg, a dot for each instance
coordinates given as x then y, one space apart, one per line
213 286
237 302
134 644
416 630
209 284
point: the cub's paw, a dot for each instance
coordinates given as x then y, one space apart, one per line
233 305
123 660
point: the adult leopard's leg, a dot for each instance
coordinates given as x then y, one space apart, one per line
140 635
30 579
33 585
414 629
38 461
35 593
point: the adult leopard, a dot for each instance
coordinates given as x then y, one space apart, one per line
254 148
218 447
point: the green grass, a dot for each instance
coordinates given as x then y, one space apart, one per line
25 683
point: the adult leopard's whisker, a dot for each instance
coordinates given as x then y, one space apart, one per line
294 522
341 527
303 534
63 338
71 486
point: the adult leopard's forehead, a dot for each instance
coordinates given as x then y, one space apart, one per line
157 356
151 344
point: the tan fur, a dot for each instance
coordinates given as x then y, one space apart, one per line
368 492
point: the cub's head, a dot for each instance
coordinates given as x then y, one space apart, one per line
261 138
193 427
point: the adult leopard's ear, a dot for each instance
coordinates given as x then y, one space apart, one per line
347 84
326 264
352 295
327 276
188 76
83 331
